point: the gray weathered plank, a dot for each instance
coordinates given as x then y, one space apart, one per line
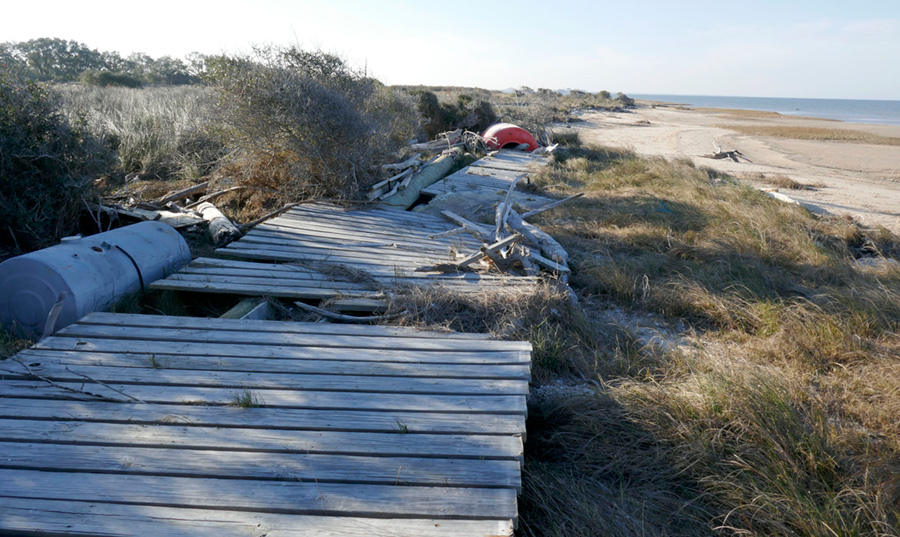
311 498
315 293
280 351
76 372
231 464
261 418
264 365
115 520
161 321
283 338
447 446
271 398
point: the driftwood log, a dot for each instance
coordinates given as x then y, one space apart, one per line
734 155
221 230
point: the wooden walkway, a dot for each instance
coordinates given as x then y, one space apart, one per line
331 252
491 176
147 425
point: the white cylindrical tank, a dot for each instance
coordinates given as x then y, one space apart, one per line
94 272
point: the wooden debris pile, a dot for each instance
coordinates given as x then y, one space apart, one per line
512 244
184 209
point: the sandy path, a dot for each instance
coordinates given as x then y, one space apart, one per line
860 180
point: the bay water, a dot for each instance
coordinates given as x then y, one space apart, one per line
851 110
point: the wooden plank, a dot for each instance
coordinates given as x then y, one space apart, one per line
243 308
266 365
271 282
286 338
390 219
230 464
372 215
163 321
271 398
282 352
236 380
387 220
230 263
263 418
174 435
354 234
471 286
254 290
332 255
347 243
114 520
332 499
262 272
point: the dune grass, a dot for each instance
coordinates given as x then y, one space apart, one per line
158 132
771 412
813 133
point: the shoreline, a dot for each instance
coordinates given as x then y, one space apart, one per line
863 111
841 177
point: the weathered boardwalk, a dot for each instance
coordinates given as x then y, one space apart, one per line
148 425
489 177
326 251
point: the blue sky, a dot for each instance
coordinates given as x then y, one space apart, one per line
820 49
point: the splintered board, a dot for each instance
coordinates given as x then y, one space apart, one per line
150 425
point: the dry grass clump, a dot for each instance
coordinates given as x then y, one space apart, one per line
813 133
157 133
10 344
779 417
783 181
564 341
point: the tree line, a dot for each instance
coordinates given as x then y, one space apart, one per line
58 60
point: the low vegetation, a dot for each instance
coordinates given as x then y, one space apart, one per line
762 404
814 133
306 124
159 133
48 164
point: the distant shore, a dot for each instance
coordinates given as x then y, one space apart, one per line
879 112
841 168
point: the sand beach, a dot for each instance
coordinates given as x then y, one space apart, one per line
858 178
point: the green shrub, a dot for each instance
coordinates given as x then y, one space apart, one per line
108 78
467 112
47 165
310 119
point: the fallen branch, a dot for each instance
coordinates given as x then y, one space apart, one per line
214 195
349 318
248 225
185 193
544 241
552 265
30 372
504 208
734 155
480 232
488 250
105 385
